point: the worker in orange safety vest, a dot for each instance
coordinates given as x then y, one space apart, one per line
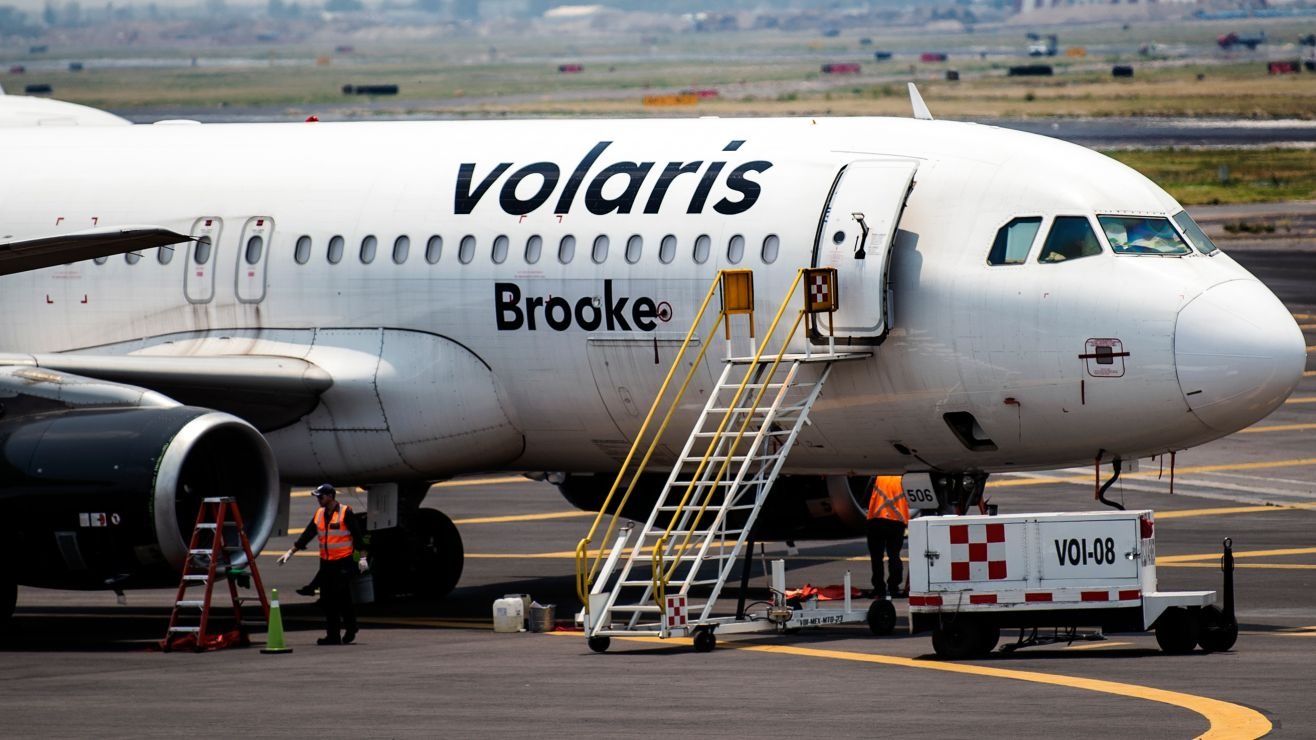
339 534
888 513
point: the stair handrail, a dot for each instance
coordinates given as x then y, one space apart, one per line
584 575
661 574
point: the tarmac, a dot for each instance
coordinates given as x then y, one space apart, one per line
77 664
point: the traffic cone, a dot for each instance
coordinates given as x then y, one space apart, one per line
274 638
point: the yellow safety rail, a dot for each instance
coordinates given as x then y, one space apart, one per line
585 573
661 574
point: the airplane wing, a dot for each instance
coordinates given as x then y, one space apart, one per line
47 251
268 392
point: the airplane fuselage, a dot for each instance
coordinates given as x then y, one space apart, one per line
507 295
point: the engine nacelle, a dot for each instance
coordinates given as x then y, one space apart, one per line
100 498
799 507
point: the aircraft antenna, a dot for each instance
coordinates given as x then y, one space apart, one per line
921 111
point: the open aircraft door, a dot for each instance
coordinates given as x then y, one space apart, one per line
199 281
855 234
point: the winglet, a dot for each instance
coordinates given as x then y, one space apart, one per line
921 111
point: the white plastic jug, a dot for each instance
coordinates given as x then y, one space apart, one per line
509 614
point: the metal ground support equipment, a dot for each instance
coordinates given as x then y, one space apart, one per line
664 579
204 564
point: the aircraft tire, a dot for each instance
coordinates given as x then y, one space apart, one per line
599 643
8 598
423 560
705 641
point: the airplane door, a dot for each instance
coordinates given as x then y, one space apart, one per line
854 236
199 281
252 258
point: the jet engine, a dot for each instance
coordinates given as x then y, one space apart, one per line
799 507
107 498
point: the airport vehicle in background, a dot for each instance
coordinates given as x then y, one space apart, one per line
1233 38
1042 46
971 576
390 304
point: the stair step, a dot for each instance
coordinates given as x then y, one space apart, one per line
185 629
190 603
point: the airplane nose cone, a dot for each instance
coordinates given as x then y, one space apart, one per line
1238 353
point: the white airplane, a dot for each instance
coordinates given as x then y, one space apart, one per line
392 304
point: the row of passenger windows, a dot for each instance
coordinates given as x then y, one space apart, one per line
1072 237
599 249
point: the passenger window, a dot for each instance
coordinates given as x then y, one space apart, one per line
736 249
534 246
771 247
466 250
1194 233
1141 235
165 255
1071 238
401 248
303 251
667 249
600 251
634 246
335 253
132 258
500 249
368 247
433 249
201 256
702 245
1013 241
566 249
255 245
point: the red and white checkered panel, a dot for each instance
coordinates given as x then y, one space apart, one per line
819 289
674 611
977 552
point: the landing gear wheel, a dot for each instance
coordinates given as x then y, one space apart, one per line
424 559
704 640
882 617
1176 631
599 643
8 599
962 638
1218 632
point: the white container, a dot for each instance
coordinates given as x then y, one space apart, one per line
509 614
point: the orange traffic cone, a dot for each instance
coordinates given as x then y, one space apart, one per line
274 639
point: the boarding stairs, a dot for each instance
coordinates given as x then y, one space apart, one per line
217 539
664 579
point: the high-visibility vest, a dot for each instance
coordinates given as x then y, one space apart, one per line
335 539
888 500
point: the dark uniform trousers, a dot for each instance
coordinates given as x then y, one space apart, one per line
335 580
886 536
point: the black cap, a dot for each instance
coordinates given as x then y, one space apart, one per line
324 489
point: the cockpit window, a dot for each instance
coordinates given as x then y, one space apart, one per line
1194 233
1013 241
1071 238
1142 235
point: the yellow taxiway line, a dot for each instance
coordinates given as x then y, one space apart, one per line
1276 428
1301 399
1225 720
458 483
1296 462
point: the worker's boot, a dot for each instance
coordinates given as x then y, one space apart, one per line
330 640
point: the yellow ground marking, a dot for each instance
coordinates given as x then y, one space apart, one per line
1098 645
1302 399
1160 560
1304 316
524 517
469 624
1225 720
1087 478
1182 513
1307 326
1277 428
1244 566
1309 374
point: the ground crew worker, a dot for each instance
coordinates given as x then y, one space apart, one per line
340 534
888 513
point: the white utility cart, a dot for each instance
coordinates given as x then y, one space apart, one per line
970 576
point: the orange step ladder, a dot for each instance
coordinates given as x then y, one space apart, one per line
204 564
